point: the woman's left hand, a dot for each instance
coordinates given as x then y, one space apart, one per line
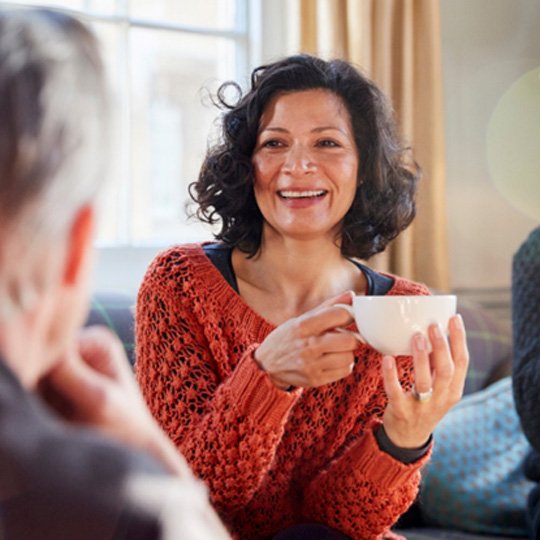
439 377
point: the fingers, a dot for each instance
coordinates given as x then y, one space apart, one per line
441 360
83 380
392 386
80 388
408 419
439 370
336 374
102 351
342 362
332 342
460 353
316 322
445 369
299 351
422 368
325 370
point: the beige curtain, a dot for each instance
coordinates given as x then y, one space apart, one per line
397 44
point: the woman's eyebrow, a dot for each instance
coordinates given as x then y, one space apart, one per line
326 128
271 128
315 130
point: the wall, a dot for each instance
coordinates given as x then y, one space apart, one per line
487 46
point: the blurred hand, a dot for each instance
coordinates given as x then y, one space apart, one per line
94 386
307 351
409 422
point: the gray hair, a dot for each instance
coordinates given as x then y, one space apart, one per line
53 111
54 134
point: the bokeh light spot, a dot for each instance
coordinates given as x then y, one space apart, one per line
513 144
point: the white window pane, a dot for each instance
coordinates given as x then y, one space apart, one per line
162 119
171 122
114 215
91 7
69 4
101 7
207 13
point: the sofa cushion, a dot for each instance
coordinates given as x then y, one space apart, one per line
490 346
432 533
475 479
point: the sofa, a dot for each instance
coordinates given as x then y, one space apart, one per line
489 345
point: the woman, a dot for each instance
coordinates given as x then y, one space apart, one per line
288 420
80 455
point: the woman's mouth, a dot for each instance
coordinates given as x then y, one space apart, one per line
307 194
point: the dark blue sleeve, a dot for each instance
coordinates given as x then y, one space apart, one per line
526 335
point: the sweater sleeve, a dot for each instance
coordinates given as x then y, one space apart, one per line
227 426
364 491
526 335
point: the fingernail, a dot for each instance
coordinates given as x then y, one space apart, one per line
458 322
437 331
388 362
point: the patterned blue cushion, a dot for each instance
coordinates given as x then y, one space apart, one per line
475 479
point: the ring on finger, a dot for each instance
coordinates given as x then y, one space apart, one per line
422 396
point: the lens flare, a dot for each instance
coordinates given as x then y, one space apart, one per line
513 144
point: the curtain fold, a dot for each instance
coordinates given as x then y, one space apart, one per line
397 44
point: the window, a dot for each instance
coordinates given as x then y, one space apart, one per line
163 58
160 55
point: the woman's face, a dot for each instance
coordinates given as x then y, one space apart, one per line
305 164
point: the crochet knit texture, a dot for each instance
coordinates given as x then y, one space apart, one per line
270 458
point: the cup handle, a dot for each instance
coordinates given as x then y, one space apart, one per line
357 335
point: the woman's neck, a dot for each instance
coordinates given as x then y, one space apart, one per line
289 277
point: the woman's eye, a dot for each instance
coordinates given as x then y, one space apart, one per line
272 143
328 143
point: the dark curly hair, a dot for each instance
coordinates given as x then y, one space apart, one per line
384 202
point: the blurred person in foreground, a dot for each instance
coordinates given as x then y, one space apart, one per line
526 361
80 455
299 430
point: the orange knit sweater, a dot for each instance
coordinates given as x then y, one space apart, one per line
270 458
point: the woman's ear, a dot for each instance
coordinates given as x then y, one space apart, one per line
79 245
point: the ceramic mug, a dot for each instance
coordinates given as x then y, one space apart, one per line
388 323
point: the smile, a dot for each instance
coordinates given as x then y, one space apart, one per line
301 194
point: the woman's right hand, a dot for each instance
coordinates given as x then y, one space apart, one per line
307 351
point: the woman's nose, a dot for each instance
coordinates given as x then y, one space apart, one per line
299 161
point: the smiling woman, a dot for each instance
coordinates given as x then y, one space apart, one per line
381 209
292 423
305 164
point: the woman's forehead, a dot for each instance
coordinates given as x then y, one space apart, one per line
315 107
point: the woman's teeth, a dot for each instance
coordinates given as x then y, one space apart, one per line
301 194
